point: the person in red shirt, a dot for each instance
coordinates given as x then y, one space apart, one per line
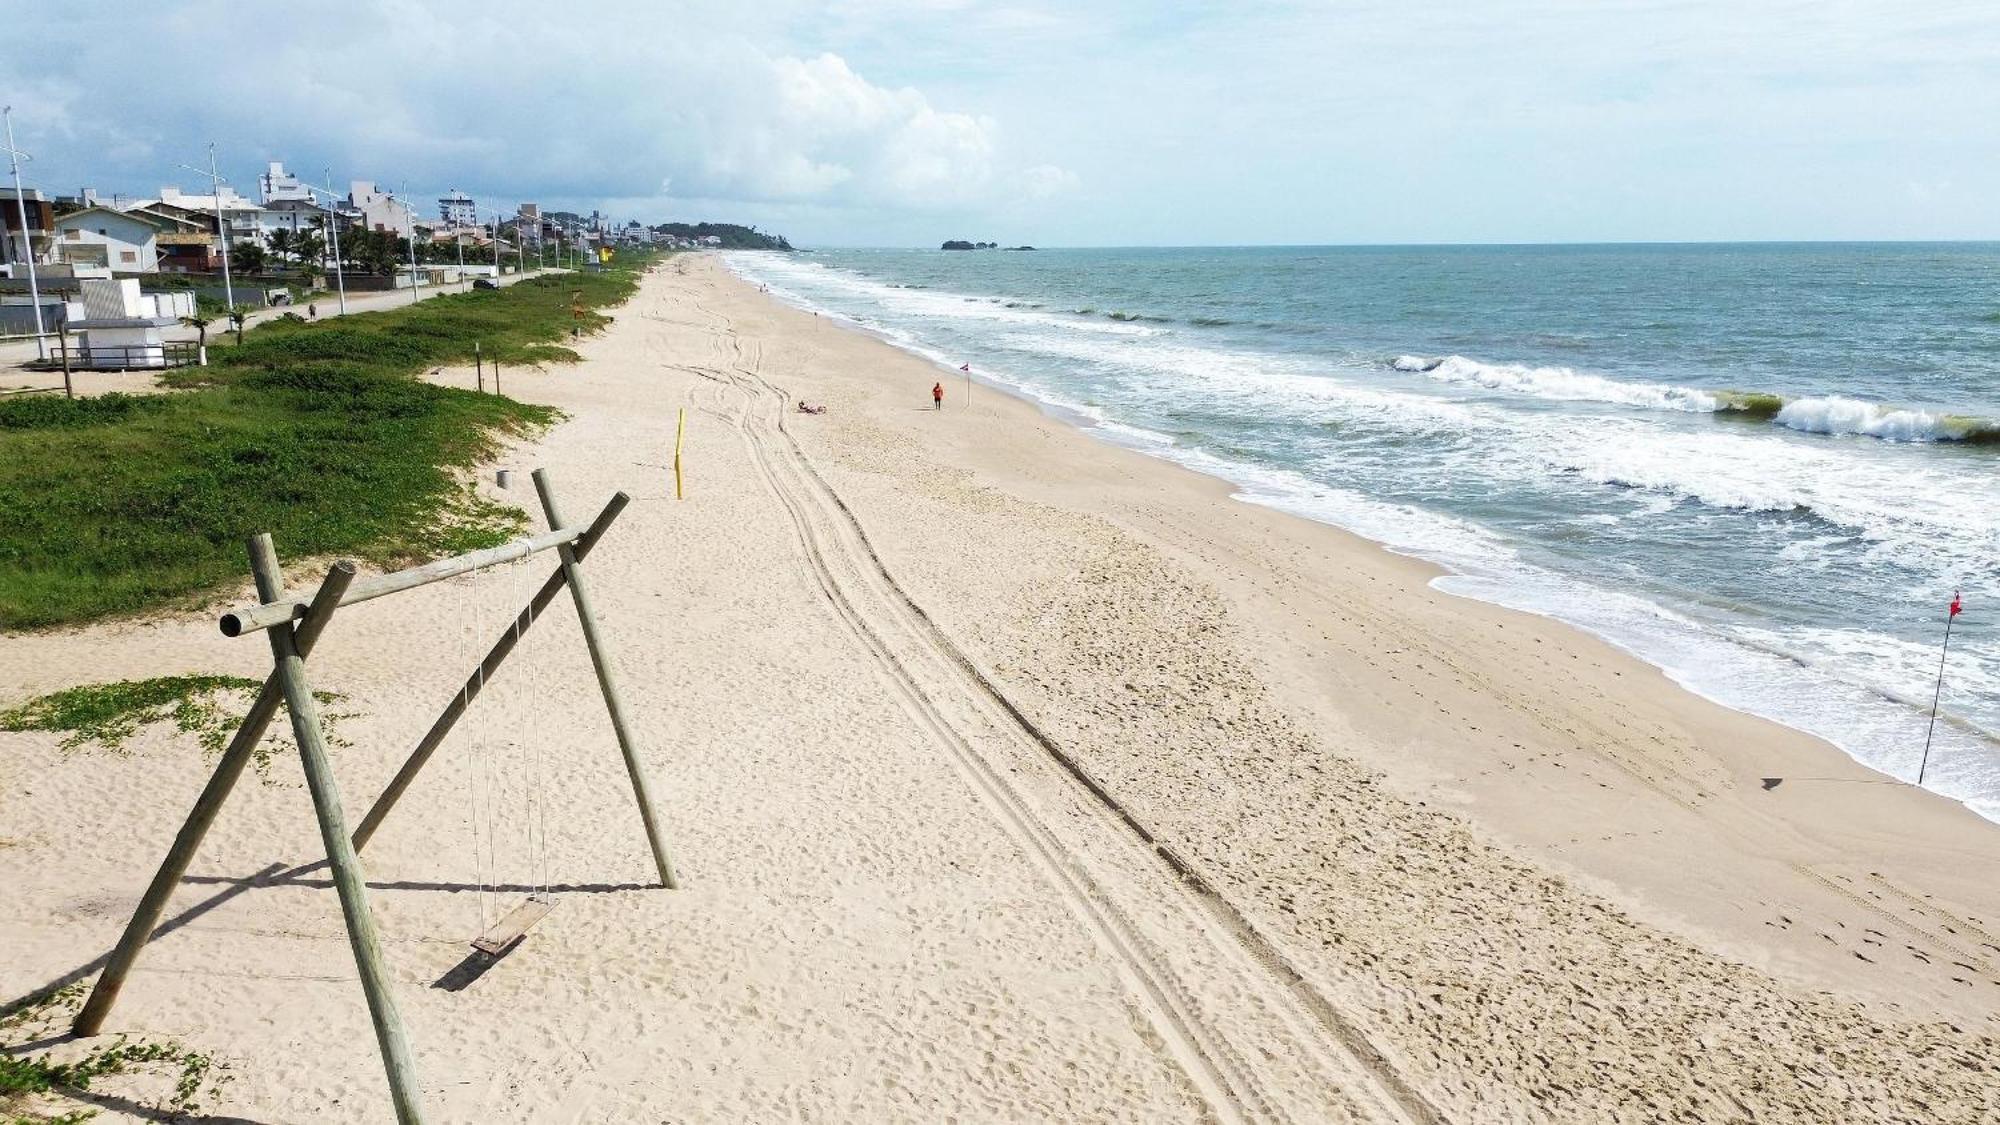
937 395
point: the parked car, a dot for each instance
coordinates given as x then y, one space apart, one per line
485 283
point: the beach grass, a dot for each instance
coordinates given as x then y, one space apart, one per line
320 433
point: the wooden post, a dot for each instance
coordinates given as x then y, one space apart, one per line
496 376
476 682
601 662
153 903
347 877
478 366
680 435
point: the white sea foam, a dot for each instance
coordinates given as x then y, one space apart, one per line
1123 383
1833 415
1820 415
1562 384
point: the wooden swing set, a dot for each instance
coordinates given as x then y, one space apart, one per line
293 626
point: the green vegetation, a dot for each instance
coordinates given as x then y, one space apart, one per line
319 433
108 714
25 1076
733 236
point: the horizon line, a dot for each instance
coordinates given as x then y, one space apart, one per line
1430 245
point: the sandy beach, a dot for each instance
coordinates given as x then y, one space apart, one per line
1011 775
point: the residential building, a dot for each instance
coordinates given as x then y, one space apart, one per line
277 185
458 210
121 241
186 242
16 244
239 215
378 210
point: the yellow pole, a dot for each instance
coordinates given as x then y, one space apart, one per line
680 433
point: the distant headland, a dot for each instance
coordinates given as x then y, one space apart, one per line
728 236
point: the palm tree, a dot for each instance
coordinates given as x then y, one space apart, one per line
237 316
200 323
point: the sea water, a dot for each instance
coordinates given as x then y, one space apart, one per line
1764 468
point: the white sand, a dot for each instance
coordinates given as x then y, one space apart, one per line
1011 777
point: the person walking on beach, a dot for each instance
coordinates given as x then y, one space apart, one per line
937 396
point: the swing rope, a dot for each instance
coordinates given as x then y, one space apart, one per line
484 850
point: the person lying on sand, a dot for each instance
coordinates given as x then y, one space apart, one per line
804 409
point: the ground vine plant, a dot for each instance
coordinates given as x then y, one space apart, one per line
43 1077
106 716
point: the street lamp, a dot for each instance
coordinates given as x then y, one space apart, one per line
333 231
221 231
410 226
14 157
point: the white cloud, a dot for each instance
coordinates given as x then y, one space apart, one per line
503 104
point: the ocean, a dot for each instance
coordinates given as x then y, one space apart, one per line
1765 468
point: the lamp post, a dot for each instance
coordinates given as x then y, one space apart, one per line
14 157
459 234
221 229
410 228
333 230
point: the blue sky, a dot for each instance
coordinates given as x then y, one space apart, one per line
905 122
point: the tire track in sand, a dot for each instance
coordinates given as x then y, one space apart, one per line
1254 1038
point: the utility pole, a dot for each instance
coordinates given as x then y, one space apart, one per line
14 157
333 229
459 233
221 230
410 227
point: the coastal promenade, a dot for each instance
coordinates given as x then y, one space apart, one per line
1011 776
16 351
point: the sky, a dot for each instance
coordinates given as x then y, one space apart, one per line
908 122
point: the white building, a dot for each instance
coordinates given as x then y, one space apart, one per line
458 210
379 210
239 216
121 327
99 236
277 185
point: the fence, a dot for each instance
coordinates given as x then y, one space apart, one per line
126 357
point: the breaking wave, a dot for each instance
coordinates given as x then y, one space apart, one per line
1830 414
1557 383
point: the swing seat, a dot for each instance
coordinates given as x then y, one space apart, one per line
515 926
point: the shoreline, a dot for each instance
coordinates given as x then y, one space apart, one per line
936 705
1815 701
1735 749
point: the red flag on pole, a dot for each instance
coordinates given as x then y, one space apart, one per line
1954 605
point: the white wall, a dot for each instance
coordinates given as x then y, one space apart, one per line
98 237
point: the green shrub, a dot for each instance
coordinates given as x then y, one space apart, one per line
319 433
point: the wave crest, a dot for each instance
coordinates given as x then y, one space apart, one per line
1560 383
1826 414
1835 415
